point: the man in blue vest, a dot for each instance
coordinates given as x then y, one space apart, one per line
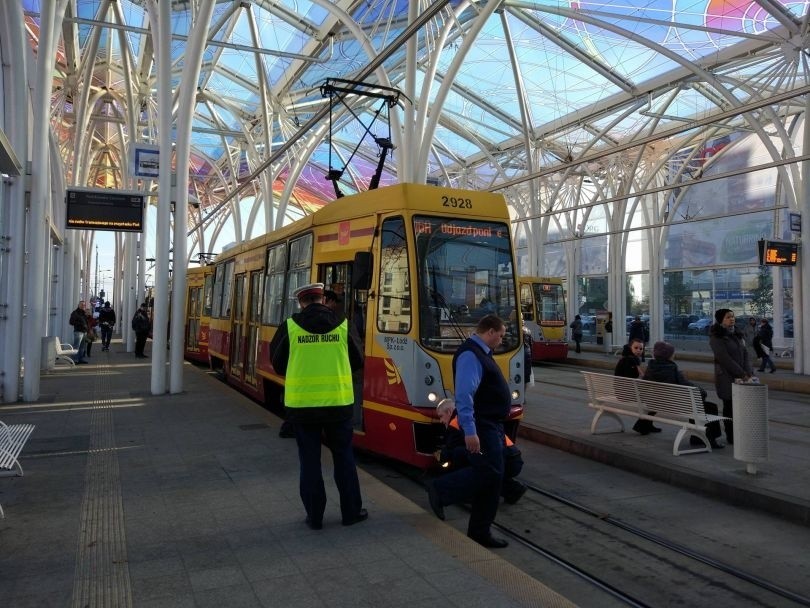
317 354
483 400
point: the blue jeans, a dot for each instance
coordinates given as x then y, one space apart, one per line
79 344
479 483
337 436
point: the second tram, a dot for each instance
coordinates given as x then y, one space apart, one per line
415 268
542 304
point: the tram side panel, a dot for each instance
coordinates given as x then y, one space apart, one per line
412 309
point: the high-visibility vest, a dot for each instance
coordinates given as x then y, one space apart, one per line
318 370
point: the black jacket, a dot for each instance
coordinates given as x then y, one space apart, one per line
664 370
730 358
78 319
627 367
106 315
316 319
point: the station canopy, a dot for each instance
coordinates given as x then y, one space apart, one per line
517 90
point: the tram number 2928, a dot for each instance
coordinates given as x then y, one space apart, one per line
456 203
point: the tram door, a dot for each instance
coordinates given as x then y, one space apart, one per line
338 278
194 304
253 325
238 327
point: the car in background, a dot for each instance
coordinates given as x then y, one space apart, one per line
701 326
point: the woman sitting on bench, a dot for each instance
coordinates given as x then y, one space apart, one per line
663 369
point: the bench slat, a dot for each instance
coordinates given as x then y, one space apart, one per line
12 440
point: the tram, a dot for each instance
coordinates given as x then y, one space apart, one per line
415 268
199 287
542 304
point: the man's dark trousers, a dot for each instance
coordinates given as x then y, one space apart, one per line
479 483
337 436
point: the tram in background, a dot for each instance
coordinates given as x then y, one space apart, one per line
542 304
415 268
199 289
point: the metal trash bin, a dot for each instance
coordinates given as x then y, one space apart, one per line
750 412
48 353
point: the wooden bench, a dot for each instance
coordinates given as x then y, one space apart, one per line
673 404
12 440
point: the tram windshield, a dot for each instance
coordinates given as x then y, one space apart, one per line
550 300
465 272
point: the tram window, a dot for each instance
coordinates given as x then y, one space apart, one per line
394 313
300 268
208 295
219 273
276 268
526 302
227 279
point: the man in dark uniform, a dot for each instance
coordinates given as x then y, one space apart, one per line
483 400
106 320
141 326
317 354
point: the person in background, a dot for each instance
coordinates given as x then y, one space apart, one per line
765 337
629 366
78 319
332 301
453 454
731 362
637 331
576 331
663 369
483 401
91 335
141 326
528 370
316 353
751 341
106 321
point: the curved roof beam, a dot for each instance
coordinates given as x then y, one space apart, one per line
597 66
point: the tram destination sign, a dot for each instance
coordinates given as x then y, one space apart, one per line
102 209
776 253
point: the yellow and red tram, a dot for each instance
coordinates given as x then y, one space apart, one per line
416 266
542 304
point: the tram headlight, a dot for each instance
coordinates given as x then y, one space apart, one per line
515 395
432 397
518 378
429 380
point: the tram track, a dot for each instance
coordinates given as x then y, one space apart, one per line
536 517
666 543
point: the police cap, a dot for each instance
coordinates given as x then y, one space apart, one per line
313 289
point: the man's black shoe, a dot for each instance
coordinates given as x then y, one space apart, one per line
715 444
490 542
654 429
362 515
513 497
314 525
287 431
435 502
82 362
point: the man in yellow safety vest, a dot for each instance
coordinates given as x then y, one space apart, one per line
316 353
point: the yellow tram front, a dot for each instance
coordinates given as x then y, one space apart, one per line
442 261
